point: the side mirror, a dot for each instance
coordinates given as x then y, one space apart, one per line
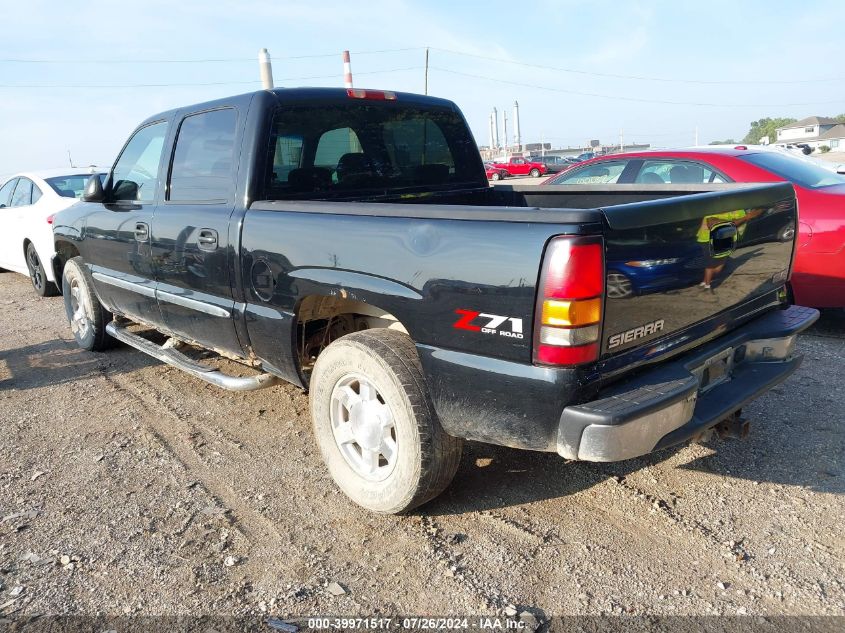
94 191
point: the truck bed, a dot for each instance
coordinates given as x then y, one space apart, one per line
410 235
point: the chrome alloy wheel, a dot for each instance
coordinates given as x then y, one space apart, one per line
80 318
363 427
618 286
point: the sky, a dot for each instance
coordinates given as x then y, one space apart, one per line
79 76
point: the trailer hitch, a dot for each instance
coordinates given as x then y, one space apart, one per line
734 426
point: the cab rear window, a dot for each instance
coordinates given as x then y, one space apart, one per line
350 147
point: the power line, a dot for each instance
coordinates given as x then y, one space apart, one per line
26 60
210 83
636 99
638 77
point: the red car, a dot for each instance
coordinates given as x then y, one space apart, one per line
818 278
519 166
495 173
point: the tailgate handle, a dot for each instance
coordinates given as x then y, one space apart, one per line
723 238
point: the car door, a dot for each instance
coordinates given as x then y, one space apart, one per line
6 213
116 243
191 242
518 167
19 207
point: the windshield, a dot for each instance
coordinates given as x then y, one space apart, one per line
795 170
360 146
70 186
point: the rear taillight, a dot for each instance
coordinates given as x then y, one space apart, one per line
376 95
50 218
569 302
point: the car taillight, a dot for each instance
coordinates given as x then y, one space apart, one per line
376 95
569 302
50 218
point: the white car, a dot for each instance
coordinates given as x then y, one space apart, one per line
28 202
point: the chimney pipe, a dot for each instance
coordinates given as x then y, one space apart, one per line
516 134
265 69
347 70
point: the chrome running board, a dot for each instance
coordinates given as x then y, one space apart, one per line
168 353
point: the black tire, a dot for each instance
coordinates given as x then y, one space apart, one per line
37 274
426 457
78 291
496 176
534 173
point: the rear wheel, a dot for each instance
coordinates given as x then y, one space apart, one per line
86 315
534 173
37 275
375 424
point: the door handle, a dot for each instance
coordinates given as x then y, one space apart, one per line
207 239
142 231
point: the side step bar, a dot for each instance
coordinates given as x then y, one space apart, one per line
170 355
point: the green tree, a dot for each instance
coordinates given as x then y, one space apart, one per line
729 141
840 118
765 127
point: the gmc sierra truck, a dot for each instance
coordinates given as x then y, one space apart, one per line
347 241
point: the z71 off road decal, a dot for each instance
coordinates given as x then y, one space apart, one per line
475 321
634 333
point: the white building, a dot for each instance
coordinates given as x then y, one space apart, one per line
814 131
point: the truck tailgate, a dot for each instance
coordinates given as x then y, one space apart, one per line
661 255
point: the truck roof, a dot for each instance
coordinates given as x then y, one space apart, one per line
303 94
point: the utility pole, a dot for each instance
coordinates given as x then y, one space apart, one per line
696 136
426 70
70 160
621 141
265 69
505 129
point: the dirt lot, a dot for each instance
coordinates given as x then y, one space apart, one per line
127 487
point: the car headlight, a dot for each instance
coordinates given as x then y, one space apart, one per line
651 263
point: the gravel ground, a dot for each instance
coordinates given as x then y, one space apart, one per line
127 487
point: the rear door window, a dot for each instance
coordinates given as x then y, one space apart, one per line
675 172
23 193
204 158
604 173
6 192
334 144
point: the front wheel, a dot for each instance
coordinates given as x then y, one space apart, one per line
496 176
86 315
375 425
535 173
37 275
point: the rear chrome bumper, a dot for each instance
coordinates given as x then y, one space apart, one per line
678 399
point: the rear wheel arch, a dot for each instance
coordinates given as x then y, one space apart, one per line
323 318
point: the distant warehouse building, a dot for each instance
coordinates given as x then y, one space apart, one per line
814 131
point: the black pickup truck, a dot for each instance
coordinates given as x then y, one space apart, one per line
347 241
